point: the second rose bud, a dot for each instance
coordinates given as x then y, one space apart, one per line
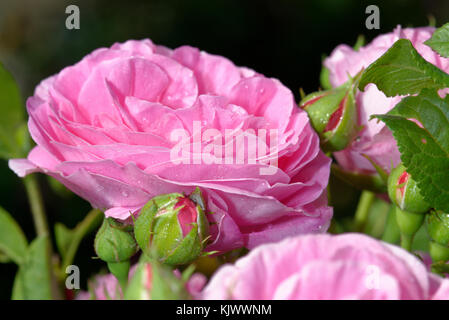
333 114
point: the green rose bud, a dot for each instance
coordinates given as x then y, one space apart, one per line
333 114
154 281
438 227
115 244
173 227
404 192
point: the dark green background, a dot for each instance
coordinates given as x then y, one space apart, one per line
282 39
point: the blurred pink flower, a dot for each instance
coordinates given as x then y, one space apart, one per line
104 128
332 267
106 287
376 140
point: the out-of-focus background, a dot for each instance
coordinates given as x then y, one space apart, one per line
285 39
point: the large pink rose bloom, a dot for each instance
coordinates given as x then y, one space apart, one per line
329 267
104 128
376 140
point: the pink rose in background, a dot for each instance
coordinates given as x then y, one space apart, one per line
376 140
104 128
106 287
333 267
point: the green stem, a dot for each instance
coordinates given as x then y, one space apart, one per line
37 205
41 226
406 242
361 214
391 232
92 220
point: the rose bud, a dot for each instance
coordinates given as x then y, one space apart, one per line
438 227
438 252
115 244
333 115
154 281
404 192
438 230
173 227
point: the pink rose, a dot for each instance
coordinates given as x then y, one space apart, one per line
332 267
106 287
107 128
376 140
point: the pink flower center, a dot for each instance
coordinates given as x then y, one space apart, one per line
187 215
402 181
336 117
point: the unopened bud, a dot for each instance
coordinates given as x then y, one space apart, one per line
154 281
438 227
114 241
115 244
333 114
404 192
173 227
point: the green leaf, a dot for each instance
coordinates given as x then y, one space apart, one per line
14 141
439 42
17 289
401 71
424 150
13 243
64 237
35 272
360 42
4 258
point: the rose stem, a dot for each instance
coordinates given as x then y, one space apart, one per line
92 220
361 214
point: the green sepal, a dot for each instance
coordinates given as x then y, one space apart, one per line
121 271
187 251
143 225
408 222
